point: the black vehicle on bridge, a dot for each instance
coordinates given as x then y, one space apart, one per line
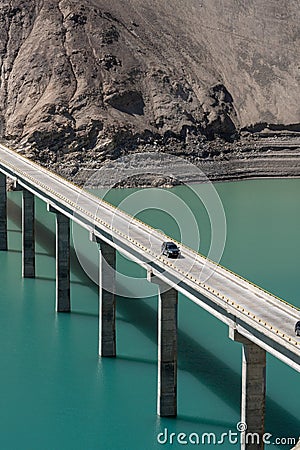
297 328
170 250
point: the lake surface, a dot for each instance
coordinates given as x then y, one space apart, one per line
56 394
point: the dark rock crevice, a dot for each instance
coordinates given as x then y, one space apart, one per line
258 127
63 41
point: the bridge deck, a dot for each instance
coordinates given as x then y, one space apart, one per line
256 314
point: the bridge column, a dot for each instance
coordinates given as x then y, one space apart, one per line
3 212
28 241
107 298
63 303
253 392
167 348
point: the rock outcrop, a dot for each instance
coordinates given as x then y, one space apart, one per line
91 77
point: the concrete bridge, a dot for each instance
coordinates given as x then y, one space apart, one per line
258 320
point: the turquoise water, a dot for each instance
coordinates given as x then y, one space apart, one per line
56 394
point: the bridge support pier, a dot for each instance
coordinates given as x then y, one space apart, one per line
107 298
253 392
3 212
28 241
167 348
63 303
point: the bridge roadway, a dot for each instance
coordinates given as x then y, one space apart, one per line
254 313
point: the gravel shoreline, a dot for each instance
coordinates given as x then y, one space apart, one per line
151 164
173 171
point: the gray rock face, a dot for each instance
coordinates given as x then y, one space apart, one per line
87 74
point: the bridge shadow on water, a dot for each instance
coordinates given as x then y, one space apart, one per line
193 357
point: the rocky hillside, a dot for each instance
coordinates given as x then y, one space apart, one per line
92 78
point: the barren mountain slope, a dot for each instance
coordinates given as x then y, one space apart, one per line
93 74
